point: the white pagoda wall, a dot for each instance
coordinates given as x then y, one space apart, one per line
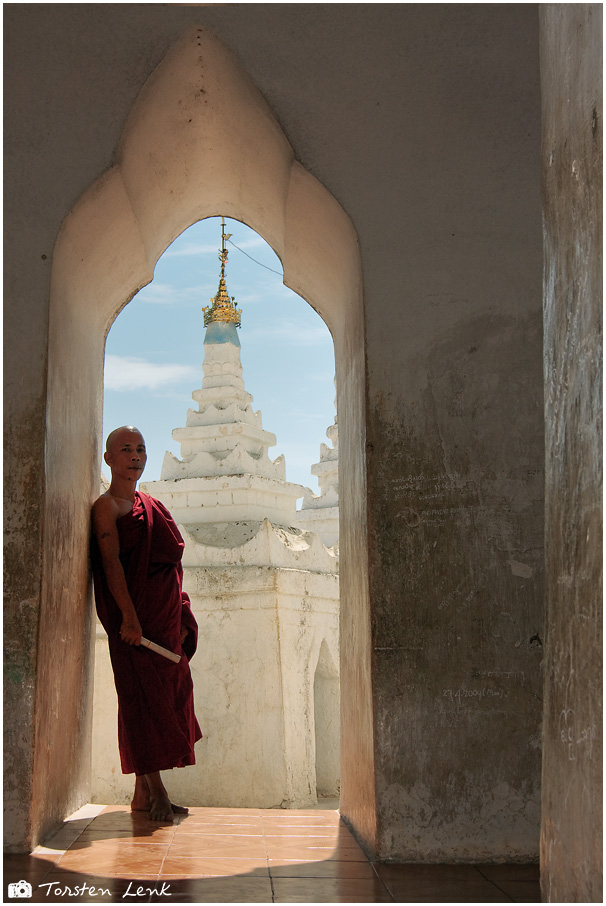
268 650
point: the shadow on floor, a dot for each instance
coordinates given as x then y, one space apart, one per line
242 856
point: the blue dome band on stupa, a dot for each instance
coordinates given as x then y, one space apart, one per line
222 332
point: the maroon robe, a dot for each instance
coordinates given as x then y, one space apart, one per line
157 727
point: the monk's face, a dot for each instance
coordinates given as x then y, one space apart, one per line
125 454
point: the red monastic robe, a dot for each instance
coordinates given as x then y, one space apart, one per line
157 726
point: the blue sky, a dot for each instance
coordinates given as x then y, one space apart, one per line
154 350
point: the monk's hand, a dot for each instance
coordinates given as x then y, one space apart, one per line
130 631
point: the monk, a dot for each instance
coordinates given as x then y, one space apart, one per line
136 558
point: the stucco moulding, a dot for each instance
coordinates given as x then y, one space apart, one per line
255 544
216 415
313 501
208 465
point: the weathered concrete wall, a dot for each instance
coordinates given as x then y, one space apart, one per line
571 76
422 121
456 453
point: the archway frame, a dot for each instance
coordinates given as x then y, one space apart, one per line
200 141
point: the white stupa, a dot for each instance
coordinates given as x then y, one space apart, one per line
319 513
265 593
224 474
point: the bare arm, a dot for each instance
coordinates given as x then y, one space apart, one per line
105 515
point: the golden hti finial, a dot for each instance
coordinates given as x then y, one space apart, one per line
223 307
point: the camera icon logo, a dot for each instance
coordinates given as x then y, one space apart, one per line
20 890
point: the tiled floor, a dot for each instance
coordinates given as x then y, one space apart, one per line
216 855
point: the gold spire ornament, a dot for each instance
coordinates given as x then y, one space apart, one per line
223 307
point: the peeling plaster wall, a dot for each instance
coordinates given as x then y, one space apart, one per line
571 72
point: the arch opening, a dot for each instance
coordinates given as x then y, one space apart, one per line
169 174
150 384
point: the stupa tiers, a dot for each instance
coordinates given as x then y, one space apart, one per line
266 596
224 439
320 513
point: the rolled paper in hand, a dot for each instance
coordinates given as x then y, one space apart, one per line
160 650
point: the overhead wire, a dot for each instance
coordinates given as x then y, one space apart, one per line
255 260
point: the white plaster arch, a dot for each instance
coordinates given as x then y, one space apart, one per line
200 141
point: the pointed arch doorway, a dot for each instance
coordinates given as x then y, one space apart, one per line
199 141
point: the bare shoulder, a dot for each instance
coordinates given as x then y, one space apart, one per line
105 503
105 510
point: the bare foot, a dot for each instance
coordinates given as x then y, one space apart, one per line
161 809
146 807
179 809
141 801
150 796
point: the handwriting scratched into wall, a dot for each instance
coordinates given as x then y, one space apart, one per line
574 736
452 715
427 487
459 597
461 695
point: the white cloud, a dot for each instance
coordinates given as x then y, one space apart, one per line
166 294
130 373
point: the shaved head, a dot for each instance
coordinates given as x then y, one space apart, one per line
118 433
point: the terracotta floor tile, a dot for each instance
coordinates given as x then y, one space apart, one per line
441 893
201 866
452 895
119 844
143 860
301 812
327 833
114 810
327 890
520 883
511 871
228 817
128 824
219 847
293 898
314 855
324 869
230 812
44 856
237 830
219 890
311 839
312 849
16 860
219 827
288 817
429 874
64 838
19 867
215 868
162 835
227 855
521 891
411 883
